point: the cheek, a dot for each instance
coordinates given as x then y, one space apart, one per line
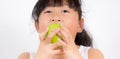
72 24
42 27
43 23
72 27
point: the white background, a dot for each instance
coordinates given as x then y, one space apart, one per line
17 32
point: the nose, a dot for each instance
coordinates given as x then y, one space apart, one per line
55 19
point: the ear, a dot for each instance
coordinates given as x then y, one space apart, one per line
37 26
81 25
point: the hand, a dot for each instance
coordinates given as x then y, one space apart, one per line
69 47
46 49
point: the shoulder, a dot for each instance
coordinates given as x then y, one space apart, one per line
25 55
94 53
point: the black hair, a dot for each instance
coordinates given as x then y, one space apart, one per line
81 38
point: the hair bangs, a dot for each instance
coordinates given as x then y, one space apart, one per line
58 3
42 4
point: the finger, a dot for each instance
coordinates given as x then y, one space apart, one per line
58 51
65 32
62 42
54 46
60 35
50 36
63 27
42 35
61 39
63 35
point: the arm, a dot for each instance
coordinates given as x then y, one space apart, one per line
95 54
24 55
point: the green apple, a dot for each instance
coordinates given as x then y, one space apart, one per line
51 27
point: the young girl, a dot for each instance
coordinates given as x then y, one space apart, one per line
76 43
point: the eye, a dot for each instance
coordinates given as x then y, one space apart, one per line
48 12
65 11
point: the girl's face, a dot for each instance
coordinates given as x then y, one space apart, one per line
64 15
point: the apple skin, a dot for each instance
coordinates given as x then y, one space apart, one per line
51 27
